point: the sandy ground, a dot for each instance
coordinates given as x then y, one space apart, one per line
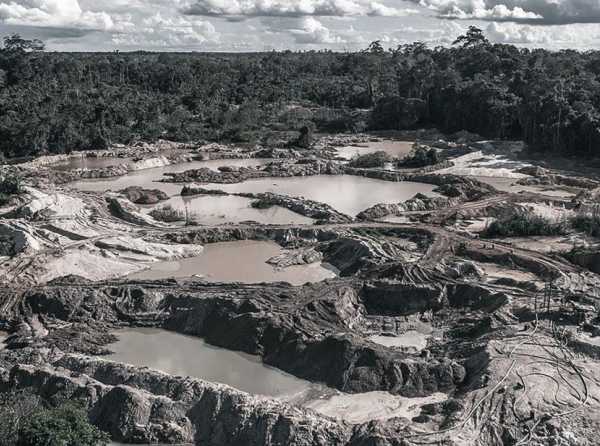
411 339
364 407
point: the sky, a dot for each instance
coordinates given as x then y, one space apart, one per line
259 25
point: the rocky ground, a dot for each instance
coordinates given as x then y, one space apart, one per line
515 352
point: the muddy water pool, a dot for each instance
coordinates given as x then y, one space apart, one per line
239 261
150 178
396 149
346 193
217 209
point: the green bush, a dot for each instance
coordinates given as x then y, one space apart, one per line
10 185
590 224
420 157
369 160
67 425
524 226
168 214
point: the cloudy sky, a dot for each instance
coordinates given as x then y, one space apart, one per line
257 25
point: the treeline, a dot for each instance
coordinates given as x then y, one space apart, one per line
57 102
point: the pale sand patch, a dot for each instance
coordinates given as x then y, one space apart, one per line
410 338
363 407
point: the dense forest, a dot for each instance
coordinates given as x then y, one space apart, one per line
58 102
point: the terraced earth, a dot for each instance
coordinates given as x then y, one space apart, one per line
248 296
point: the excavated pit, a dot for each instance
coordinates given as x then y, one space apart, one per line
426 331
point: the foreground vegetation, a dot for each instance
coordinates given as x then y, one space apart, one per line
525 226
56 102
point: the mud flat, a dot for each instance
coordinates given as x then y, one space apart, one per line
409 339
243 261
396 149
365 407
348 194
508 184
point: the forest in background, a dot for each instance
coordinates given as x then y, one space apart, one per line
58 102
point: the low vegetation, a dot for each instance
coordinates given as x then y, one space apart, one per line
10 185
589 224
525 226
24 421
168 214
371 160
420 157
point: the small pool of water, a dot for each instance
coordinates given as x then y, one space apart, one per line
346 193
87 162
182 355
217 209
397 149
239 261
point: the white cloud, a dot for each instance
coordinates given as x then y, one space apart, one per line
159 31
240 9
53 14
311 31
533 11
554 37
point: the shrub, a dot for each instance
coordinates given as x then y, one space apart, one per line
9 185
376 159
590 224
65 425
168 214
15 409
420 157
524 226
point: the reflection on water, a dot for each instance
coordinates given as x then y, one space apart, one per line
346 193
240 261
396 149
90 162
182 355
150 178
217 209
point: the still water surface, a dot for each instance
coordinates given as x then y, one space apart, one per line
88 162
239 261
150 178
346 193
182 355
218 209
396 149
